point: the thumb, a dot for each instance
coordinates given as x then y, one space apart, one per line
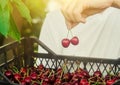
71 25
83 20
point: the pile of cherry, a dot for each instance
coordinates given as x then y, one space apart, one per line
44 76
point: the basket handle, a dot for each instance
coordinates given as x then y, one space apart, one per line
44 46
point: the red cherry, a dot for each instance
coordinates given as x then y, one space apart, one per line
8 74
23 70
66 83
67 76
23 82
17 77
28 80
75 82
52 78
40 67
58 81
110 82
33 76
44 83
46 79
84 82
65 42
97 74
74 40
85 73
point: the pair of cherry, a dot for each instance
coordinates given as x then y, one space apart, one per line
66 42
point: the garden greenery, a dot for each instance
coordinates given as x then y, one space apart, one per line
7 23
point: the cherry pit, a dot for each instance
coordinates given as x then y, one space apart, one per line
66 42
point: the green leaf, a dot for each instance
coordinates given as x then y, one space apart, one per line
3 3
24 11
4 20
13 31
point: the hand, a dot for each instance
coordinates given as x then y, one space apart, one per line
116 3
76 11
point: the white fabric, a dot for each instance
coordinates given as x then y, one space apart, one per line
99 36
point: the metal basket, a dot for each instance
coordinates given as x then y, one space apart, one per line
24 53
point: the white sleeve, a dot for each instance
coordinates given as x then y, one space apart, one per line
46 35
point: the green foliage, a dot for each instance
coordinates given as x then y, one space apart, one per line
24 11
13 31
3 3
7 24
4 20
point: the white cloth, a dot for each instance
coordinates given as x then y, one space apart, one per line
99 36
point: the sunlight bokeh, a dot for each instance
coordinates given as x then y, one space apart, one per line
55 4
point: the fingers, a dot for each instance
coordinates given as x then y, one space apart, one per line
70 25
72 12
78 10
65 11
77 14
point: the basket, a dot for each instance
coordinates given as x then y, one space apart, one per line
24 53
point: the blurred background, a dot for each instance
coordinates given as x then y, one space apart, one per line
38 10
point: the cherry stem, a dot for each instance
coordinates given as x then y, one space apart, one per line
67 33
18 81
28 72
41 82
38 82
63 69
101 79
96 83
77 63
15 69
50 73
71 32
110 69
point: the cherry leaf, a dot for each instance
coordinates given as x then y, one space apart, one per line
13 31
3 3
4 20
24 11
